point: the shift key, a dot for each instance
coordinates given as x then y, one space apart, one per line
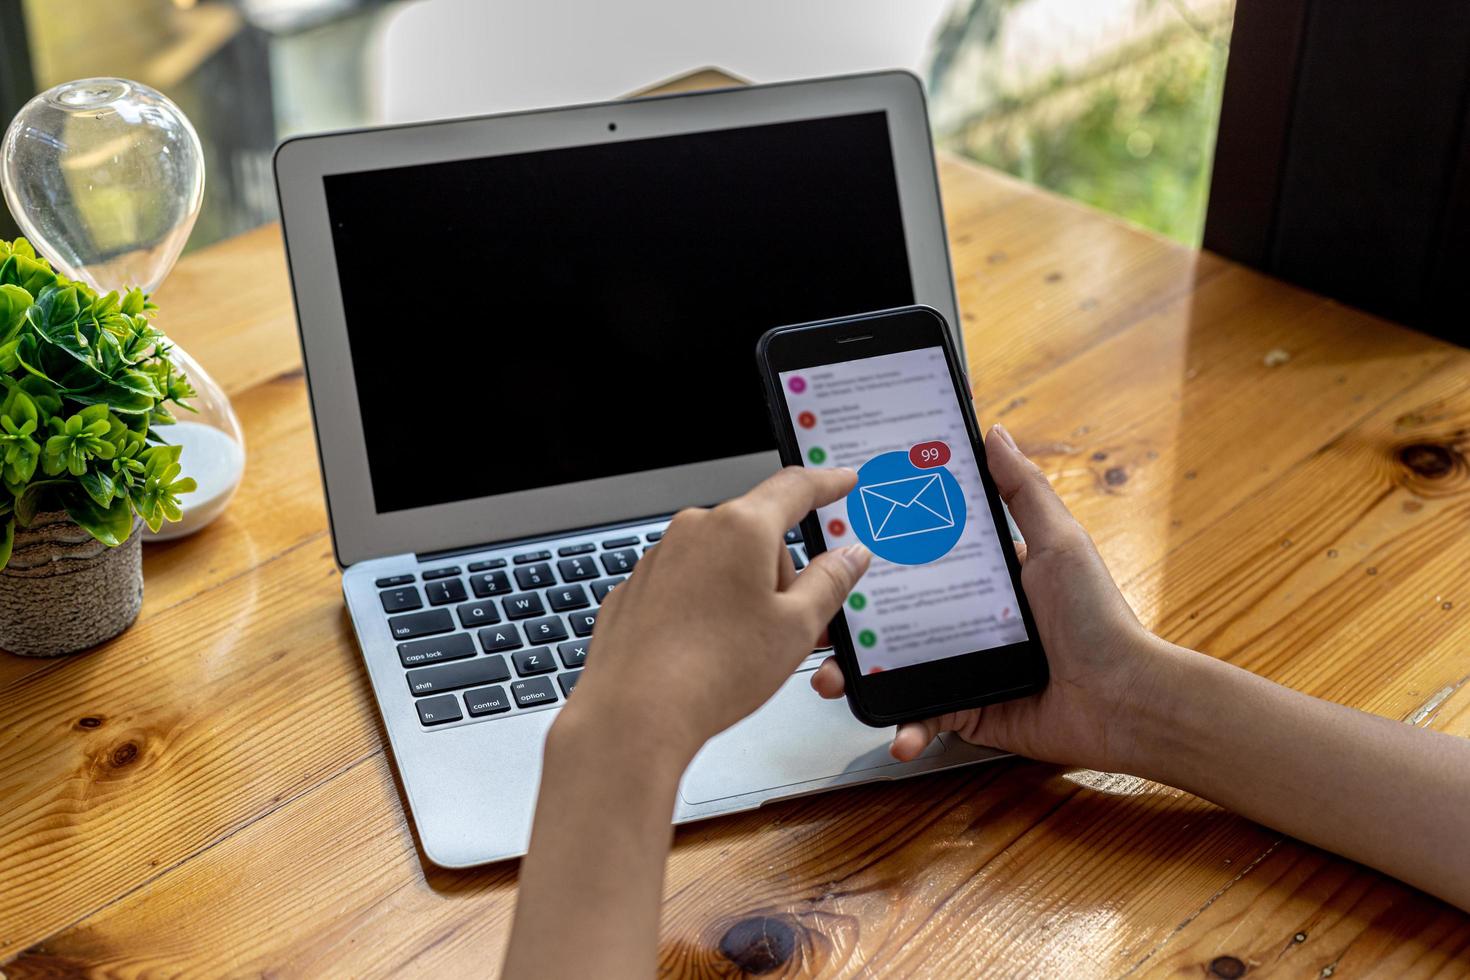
465 673
421 624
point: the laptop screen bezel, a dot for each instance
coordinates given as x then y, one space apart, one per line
359 531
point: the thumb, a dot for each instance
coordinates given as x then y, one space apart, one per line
1038 511
821 590
913 737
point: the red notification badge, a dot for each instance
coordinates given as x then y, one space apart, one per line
927 455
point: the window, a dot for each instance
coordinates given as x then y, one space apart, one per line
1112 102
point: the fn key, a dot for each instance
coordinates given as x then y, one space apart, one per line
437 711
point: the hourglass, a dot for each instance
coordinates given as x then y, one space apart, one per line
105 177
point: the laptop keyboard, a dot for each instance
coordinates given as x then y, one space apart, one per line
489 638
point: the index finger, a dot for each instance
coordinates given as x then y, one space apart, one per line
788 496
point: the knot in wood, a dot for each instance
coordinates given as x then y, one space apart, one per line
759 944
1228 967
1428 460
125 754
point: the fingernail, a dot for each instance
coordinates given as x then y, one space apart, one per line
1006 437
856 556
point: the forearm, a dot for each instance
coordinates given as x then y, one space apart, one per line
1371 789
592 882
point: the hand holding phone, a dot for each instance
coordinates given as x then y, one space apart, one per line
940 623
1105 668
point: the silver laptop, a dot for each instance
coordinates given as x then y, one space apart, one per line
529 340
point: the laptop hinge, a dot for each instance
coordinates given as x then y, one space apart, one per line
455 552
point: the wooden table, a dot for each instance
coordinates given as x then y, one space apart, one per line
1273 477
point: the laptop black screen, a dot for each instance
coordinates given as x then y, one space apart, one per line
541 318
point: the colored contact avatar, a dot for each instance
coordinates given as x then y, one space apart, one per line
837 527
817 455
806 420
796 383
857 602
867 638
904 514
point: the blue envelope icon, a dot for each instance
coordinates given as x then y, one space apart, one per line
900 508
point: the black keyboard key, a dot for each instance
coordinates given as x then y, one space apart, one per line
392 580
619 562
466 673
487 564
573 653
523 606
445 591
537 660
456 646
796 559
567 597
489 584
545 630
529 693
535 576
527 557
480 613
421 624
439 711
577 569
602 587
582 622
653 536
400 600
434 573
620 542
486 701
494 639
793 536
576 549
568 681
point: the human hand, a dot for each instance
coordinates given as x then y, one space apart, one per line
1103 663
715 618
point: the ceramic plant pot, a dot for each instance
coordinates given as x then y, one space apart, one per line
64 591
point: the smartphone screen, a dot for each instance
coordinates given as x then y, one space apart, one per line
938 586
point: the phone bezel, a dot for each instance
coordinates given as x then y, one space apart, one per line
928 689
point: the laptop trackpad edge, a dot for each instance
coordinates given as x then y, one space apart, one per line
796 737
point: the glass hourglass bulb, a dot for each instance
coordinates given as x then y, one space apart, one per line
105 177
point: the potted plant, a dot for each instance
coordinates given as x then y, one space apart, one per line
87 378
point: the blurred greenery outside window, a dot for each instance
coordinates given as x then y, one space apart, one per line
1112 102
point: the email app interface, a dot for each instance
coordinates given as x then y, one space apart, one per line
938 585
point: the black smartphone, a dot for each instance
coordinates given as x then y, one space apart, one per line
940 622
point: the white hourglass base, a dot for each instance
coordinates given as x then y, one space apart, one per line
216 462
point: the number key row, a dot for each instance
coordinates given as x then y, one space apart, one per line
535 576
444 591
487 584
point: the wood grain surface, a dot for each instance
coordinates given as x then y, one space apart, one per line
210 795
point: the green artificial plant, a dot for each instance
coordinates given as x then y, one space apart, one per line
86 379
